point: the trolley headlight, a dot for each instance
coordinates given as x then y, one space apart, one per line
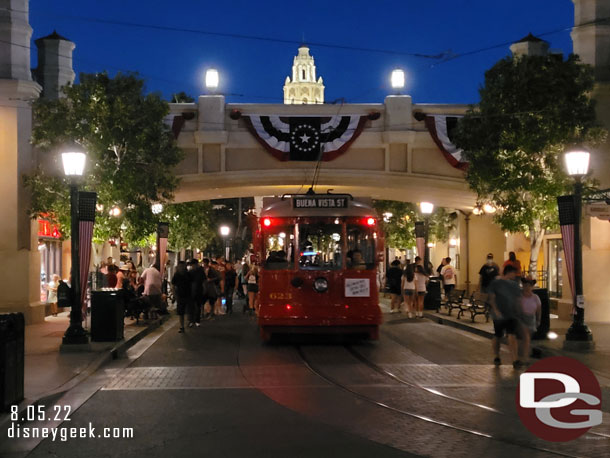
320 284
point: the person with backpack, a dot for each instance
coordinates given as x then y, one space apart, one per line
393 279
448 276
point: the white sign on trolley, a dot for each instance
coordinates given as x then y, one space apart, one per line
357 287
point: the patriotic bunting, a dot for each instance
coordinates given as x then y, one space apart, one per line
306 138
440 127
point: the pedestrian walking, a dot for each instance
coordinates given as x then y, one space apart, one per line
151 278
211 290
448 276
393 280
252 280
421 280
532 312
181 283
408 288
513 261
230 286
244 284
505 299
52 294
488 272
198 284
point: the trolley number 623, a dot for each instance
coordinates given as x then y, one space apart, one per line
280 296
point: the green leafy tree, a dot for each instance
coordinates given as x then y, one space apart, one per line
532 109
399 228
131 153
190 225
182 97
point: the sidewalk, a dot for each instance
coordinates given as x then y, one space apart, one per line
48 372
597 359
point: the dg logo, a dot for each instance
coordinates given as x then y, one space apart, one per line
559 399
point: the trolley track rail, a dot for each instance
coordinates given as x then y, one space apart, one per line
363 397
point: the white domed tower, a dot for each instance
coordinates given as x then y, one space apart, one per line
303 88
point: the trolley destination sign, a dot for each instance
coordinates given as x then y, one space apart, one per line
319 202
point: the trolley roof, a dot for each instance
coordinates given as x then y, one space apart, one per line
317 205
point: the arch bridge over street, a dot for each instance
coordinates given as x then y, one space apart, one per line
394 156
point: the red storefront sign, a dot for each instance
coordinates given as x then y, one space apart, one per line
48 229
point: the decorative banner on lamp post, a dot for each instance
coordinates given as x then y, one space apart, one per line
162 235
420 240
86 219
567 219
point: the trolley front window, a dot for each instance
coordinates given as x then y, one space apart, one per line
279 247
360 247
320 246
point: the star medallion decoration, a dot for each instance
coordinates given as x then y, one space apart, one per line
305 138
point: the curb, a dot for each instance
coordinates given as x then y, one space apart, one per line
104 357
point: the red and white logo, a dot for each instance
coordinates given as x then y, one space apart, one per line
559 399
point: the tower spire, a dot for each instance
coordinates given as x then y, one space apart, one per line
304 87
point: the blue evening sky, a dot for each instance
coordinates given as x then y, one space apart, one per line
253 71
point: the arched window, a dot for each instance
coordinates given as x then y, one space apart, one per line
303 73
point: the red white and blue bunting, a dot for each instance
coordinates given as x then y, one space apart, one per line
439 127
306 138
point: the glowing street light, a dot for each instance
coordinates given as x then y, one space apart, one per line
74 163
224 232
156 208
212 79
397 79
115 211
74 166
426 207
577 163
489 208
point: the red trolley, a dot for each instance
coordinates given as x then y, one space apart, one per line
318 258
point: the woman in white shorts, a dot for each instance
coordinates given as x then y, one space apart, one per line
408 289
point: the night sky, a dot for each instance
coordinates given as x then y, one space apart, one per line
253 71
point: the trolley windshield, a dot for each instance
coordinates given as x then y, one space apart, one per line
320 246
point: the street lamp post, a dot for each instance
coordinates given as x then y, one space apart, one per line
212 79
577 164
397 80
74 165
224 232
426 208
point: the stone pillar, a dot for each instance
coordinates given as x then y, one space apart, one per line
20 267
591 38
54 64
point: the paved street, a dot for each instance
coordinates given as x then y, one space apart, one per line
423 389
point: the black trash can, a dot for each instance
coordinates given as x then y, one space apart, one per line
107 315
12 337
545 317
432 301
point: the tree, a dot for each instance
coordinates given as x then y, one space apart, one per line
399 228
182 97
131 153
532 109
190 225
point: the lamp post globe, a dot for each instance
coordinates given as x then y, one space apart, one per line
212 79
397 79
577 163
74 167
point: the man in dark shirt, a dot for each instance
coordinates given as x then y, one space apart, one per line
230 285
505 299
488 272
197 277
212 285
181 282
